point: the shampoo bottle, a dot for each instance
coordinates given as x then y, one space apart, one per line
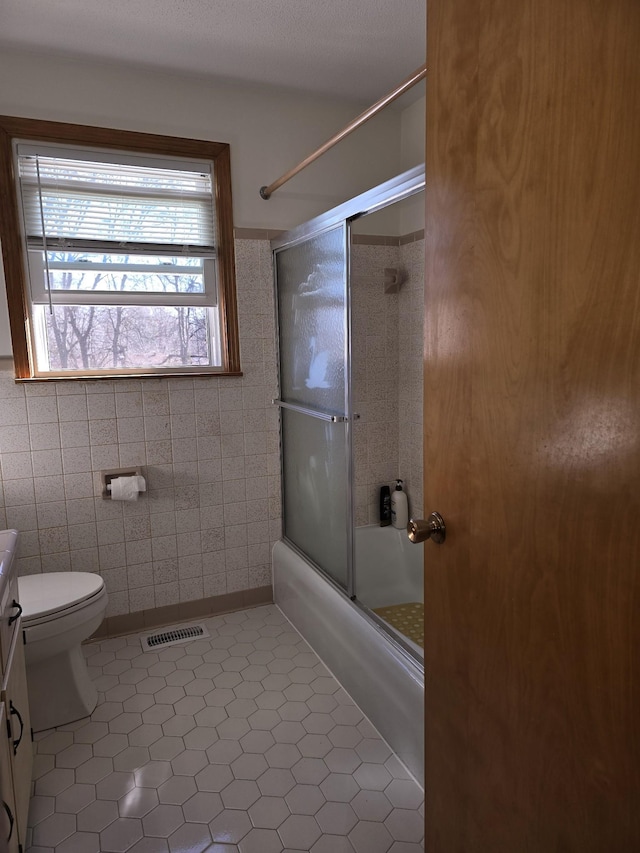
385 506
399 507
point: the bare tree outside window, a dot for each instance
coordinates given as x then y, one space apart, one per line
98 337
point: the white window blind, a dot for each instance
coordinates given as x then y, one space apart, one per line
95 202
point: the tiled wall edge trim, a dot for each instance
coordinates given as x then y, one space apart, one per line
256 233
383 240
358 239
130 623
413 237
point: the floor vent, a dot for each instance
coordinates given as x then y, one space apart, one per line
173 636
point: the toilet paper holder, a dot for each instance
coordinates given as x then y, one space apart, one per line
107 476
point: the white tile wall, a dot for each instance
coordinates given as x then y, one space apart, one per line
209 447
210 451
410 377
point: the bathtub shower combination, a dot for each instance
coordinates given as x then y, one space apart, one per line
349 303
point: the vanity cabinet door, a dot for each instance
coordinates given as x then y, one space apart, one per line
8 821
18 731
10 610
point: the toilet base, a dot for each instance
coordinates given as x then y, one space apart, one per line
60 690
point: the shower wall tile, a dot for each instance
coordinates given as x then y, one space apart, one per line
410 379
210 448
387 353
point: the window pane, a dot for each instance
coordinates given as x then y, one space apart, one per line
125 273
98 337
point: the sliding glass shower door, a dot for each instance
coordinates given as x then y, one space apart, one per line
312 311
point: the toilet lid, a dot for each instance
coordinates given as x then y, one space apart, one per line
52 592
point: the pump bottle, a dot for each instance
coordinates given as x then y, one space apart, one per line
399 507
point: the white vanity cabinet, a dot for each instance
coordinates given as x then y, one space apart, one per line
16 749
8 827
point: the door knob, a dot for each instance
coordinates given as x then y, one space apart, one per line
420 529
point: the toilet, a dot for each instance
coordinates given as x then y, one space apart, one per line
59 611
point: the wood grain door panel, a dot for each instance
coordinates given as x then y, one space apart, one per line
532 426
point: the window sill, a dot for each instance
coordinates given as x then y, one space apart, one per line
112 377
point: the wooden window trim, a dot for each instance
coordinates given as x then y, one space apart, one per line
12 127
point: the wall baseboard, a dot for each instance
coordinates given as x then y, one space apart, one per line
130 623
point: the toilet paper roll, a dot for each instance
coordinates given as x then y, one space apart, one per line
127 488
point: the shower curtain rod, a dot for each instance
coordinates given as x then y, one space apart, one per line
417 75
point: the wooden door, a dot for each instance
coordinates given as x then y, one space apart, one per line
532 426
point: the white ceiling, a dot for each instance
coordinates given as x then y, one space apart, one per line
357 49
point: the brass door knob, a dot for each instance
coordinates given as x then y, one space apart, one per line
420 529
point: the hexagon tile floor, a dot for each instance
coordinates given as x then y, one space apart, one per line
240 743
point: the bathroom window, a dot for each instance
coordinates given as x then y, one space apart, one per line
124 259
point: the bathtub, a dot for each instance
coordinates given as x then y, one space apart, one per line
389 568
380 676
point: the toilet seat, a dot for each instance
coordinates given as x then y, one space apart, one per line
49 596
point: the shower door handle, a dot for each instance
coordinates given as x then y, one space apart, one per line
313 413
419 529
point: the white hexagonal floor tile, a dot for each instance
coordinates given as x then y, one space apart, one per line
283 755
332 844
305 799
371 805
131 758
138 802
368 837
121 835
405 825
275 782
224 751
261 841
54 829
97 816
240 794
214 778
202 807
240 743
177 790
125 722
230 826
163 820
80 842
190 838
75 798
339 788
115 785
299 832
310 771
40 808
269 812
55 742
166 748
337 818
153 774
404 794
54 782
179 724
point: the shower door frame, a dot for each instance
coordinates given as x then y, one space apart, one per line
397 189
